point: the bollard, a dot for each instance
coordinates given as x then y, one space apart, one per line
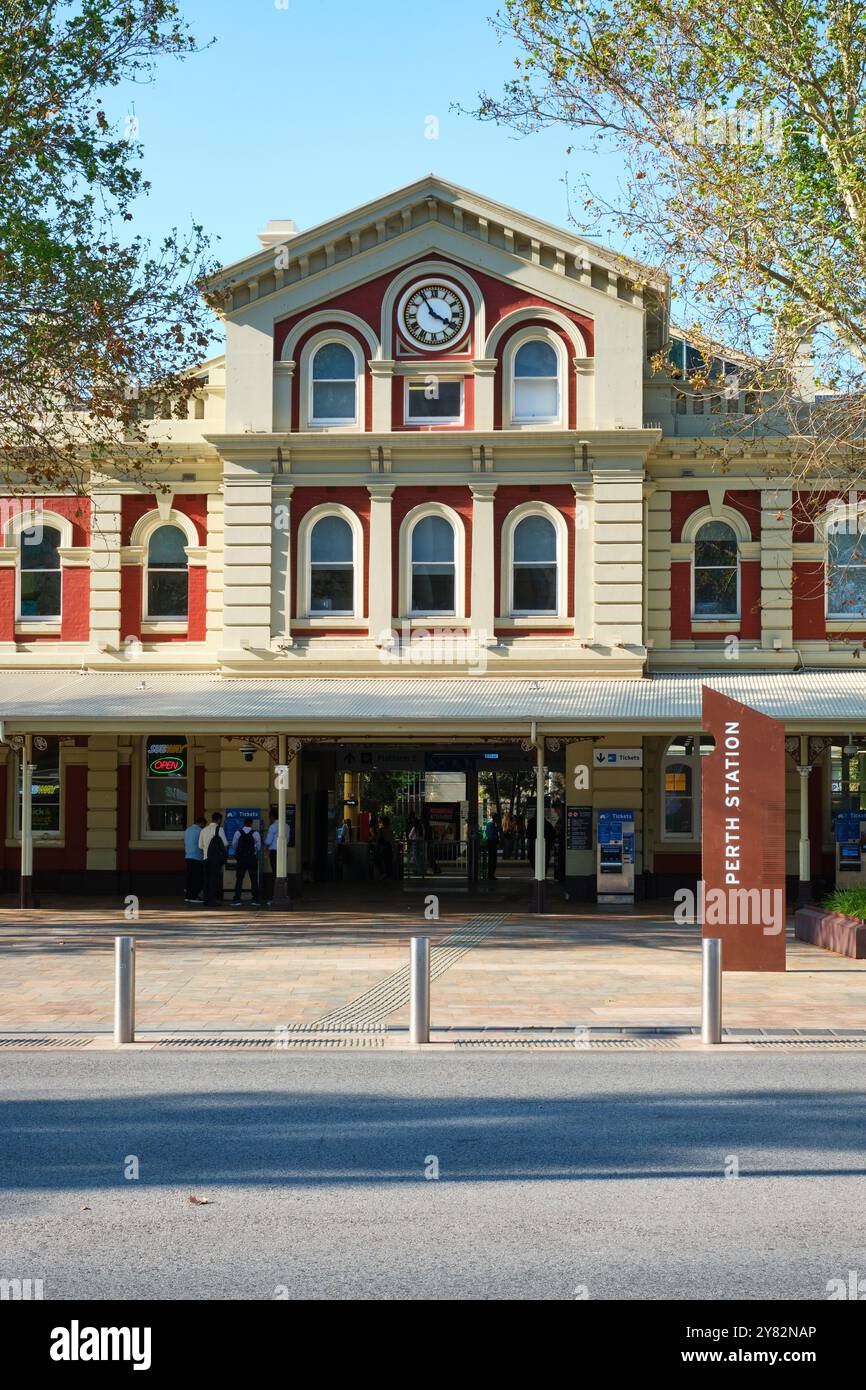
124 989
711 990
419 989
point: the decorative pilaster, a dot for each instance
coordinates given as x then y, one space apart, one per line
485 375
382 372
247 542
380 577
105 526
484 581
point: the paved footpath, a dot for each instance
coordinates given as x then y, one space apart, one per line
559 1176
492 970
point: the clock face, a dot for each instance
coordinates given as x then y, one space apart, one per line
433 315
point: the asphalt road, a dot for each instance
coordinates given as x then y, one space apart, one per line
557 1172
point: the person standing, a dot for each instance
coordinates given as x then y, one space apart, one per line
246 847
194 861
214 846
491 843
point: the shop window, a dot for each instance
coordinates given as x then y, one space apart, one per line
535 393
332 566
39 574
847 778
432 401
45 788
534 584
716 572
846 574
433 569
165 784
681 786
167 578
334 385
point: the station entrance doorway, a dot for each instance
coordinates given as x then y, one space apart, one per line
437 817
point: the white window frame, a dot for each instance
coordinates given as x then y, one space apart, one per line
305 529
740 527
693 760
840 518
159 618
56 838
407 526
534 333
164 836
17 526
137 553
421 378
522 617
308 420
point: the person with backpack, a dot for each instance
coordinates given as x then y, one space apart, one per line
246 848
491 843
214 846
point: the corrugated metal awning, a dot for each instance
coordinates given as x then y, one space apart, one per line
415 706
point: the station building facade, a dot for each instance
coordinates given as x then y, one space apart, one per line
432 496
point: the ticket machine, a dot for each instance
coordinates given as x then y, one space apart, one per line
614 881
850 836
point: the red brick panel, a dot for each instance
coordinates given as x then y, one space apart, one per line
75 605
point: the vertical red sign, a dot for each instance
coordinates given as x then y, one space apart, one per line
742 895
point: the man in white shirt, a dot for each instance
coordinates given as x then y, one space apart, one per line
213 844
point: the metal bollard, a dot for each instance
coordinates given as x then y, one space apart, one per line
711 990
124 989
419 989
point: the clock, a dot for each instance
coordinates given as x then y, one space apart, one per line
433 315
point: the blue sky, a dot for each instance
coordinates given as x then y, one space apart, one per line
309 110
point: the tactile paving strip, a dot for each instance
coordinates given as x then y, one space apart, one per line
46 1041
392 993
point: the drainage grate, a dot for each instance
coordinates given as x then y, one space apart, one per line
564 1045
857 1043
274 1044
45 1041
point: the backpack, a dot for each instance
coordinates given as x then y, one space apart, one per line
216 850
245 852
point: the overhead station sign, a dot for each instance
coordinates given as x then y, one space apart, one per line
742 893
617 757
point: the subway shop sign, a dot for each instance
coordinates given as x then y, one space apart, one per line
166 757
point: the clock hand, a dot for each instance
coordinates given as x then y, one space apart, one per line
440 317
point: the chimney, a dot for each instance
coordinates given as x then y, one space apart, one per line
278 231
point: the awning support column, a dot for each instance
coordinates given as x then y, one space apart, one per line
804 768
26 876
539 886
280 896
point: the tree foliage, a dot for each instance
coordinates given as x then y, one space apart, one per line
91 316
741 130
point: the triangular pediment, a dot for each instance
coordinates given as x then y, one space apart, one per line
464 218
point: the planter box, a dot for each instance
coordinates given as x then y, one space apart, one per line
832 931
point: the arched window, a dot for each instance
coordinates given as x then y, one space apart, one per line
681 786
534 586
846 572
332 566
167 575
333 376
40 579
536 382
432 565
716 572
